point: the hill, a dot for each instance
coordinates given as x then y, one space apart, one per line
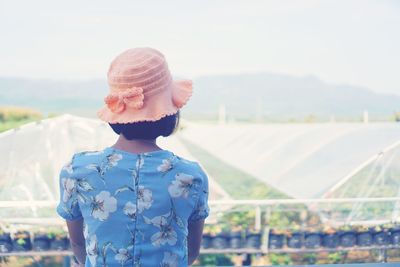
266 95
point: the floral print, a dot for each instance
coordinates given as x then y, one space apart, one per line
181 186
169 260
145 198
136 207
165 166
166 233
110 161
85 231
92 250
69 188
102 205
130 210
122 256
113 159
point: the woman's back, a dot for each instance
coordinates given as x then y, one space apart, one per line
136 207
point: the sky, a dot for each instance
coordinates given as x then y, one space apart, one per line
353 42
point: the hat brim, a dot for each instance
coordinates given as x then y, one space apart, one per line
155 106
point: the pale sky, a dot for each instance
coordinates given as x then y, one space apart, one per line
353 42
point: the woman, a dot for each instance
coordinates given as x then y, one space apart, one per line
133 203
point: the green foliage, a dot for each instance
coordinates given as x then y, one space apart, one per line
12 117
56 232
281 219
310 118
239 220
21 241
310 258
280 259
335 258
397 116
18 114
215 260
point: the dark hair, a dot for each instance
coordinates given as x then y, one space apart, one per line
148 129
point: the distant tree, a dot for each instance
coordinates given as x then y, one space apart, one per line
11 117
397 116
310 118
9 113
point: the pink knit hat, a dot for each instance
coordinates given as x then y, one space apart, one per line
142 89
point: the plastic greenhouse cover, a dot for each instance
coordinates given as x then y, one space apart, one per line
34 154
301 160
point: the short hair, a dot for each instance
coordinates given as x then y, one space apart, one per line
148 129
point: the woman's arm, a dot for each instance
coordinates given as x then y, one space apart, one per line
75 229
195 234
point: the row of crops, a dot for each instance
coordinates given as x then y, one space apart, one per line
273 239
37 241
330 238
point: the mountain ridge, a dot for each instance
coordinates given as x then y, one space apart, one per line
250 95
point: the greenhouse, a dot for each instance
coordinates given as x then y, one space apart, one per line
303 160
328 187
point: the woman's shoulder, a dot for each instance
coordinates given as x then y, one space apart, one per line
190 166
82 158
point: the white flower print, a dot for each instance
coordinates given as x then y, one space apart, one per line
68 167
94 167
165 166
69 188
104 249
122 255
83 185
130 209
139 164
102 205
85 231
181 185
113 159
166 234
158 220
145 198
92 250
123 189
170 260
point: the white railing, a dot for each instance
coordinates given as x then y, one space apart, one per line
217 206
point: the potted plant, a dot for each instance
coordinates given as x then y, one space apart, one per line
395 234
41 240
276 238
295 237
364 236
5 241
207 238
220 240
235 240
330 237
313 238
253 239
59 239
380 235
347 236
22 241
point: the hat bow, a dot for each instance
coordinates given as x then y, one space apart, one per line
117 102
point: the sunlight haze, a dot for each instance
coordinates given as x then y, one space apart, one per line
342 42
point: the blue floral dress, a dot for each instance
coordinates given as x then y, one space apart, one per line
136 207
